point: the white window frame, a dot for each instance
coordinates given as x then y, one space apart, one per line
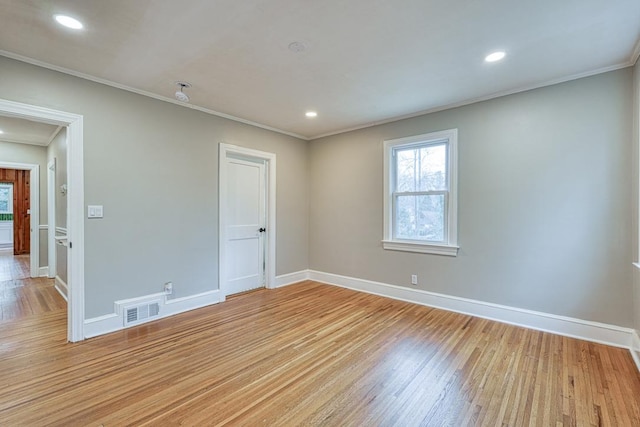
10 205
450 245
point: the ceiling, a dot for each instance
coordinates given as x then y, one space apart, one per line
26 132
364 61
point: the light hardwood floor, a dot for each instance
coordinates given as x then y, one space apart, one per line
21 296
312 354
13 267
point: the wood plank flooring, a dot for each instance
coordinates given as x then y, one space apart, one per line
312 354
21 296
28 297
13 267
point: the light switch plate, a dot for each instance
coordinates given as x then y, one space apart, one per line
95 211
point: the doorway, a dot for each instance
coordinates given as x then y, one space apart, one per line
24 223
14 225
6 213
247 219
75 203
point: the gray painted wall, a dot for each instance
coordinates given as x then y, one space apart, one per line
58 150
153 165
544 202
33 154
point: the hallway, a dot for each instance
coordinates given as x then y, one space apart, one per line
13 266
22 296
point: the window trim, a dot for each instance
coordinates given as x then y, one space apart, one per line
450 247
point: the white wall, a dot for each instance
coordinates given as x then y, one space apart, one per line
57 150
33 154
544 202
153 165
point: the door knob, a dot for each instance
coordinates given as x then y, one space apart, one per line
262 230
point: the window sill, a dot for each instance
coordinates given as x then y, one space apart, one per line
423 248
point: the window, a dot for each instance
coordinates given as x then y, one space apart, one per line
6 198
420 200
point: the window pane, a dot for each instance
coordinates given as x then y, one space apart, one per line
421 168
420 217
4 198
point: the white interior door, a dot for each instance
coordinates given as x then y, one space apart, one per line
245 225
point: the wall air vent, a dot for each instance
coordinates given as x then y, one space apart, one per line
139 313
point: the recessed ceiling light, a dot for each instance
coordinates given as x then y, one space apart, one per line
311 114
495 56
1 131
69 22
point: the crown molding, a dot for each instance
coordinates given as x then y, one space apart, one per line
485 97
632 60
54 134
106 82
24 141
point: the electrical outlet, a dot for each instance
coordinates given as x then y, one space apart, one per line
168 288
414 279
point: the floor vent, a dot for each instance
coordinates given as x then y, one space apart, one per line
138 313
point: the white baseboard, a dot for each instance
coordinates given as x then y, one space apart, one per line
114 321
576 328
102 325
561 325
62 288
43 271
291 278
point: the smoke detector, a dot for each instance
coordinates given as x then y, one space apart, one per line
297 47
180 95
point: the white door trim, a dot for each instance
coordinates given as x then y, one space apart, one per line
75 202
34 207
270 255
51 214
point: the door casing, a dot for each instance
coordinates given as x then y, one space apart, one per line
269 159
75 202
51 212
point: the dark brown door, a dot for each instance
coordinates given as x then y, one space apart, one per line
21 206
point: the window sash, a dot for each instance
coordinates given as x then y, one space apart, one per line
445 214
396 194
417 146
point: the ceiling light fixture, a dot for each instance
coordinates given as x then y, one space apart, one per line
1 131
311 114
69 22
180 95
495 56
